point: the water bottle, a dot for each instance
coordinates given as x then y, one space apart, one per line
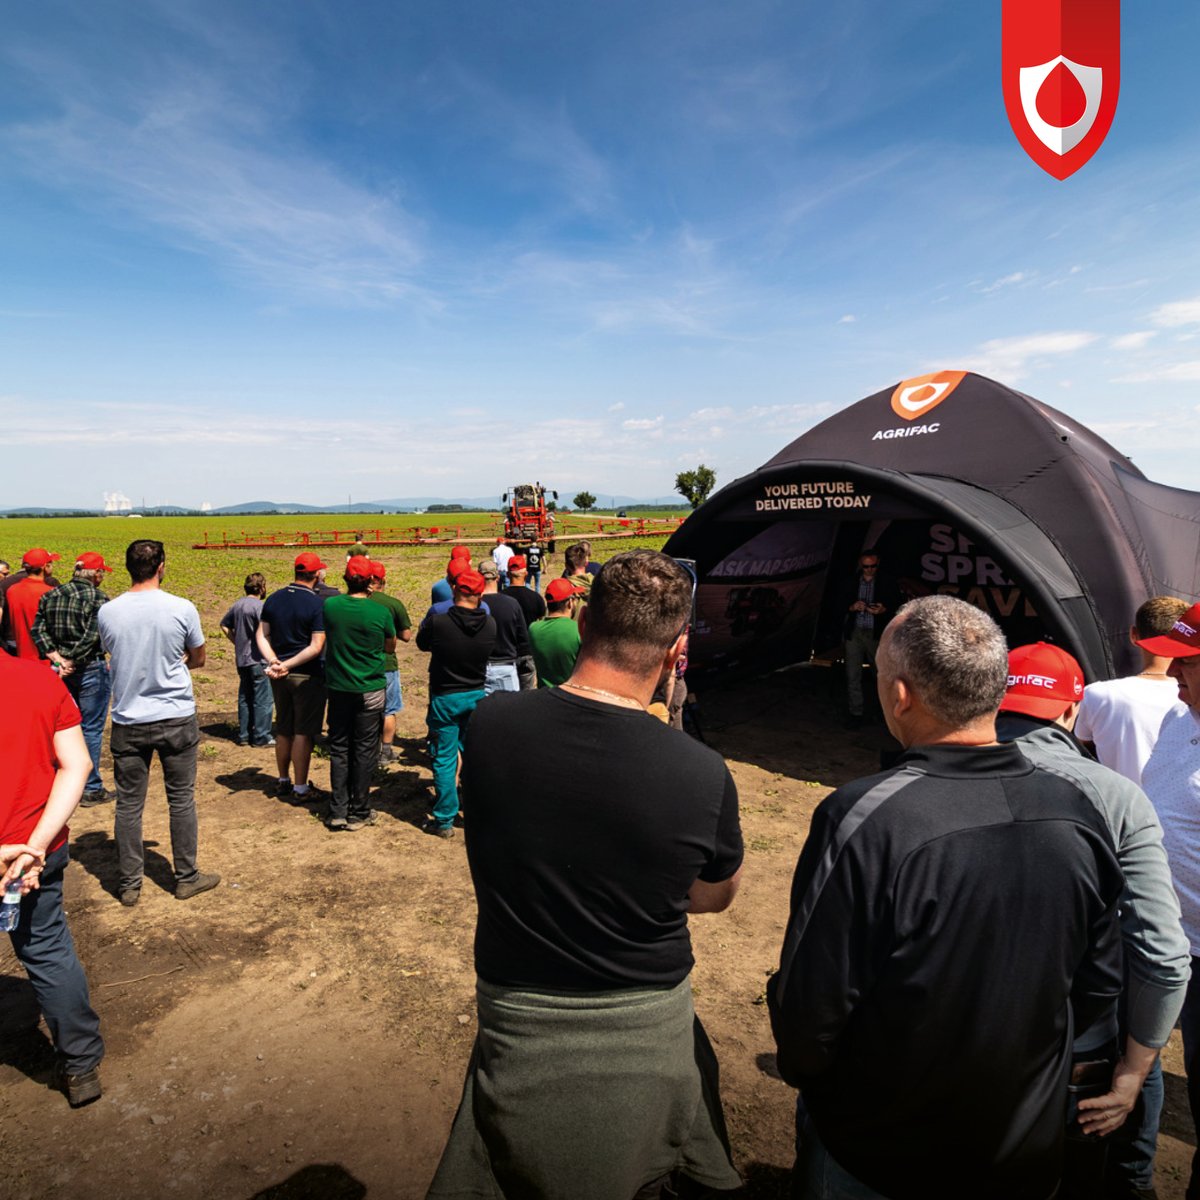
10 910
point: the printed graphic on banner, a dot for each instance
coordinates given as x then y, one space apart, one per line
915 397
1061 73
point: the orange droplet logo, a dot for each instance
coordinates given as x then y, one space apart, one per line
915 397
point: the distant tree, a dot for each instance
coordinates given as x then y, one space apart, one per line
696 486
551 506
584 501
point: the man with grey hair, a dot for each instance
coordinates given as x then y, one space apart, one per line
953 927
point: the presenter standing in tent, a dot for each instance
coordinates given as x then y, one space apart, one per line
869 603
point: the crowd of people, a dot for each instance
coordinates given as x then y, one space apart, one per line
989 941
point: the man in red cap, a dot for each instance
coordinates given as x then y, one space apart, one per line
66 632
358 635
555 639
1038 713
11 581
442 591
402 628
22 599
459 642
1172 781
291 637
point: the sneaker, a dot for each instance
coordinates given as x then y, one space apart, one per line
90 799
79 1089
354 824
308 796
259 745
283 787
337 824
438 830
388 754
202 883
129 896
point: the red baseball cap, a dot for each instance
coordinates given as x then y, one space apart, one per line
89 560
37 558
517 562
308 561
1182 642
359 566
1042 681
470 582
461 552
378 569
457 566
561 589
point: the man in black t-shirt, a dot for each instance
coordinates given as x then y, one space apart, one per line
291 637
590 1064
533 608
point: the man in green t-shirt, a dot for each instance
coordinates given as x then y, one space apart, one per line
358 637
555 638
402 627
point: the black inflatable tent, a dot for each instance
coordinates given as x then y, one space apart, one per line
964 486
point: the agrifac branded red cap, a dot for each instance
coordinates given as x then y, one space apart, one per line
516 563
1182 642
37 558
470 582
90 561
1043 680
359 567
461 552
378 570
457 566
561 589
308 561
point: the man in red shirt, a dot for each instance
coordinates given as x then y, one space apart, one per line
21 601
46 764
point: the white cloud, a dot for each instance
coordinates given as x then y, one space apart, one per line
1177 313
1007 281
618 407
635 424
1183 372
1008 359
848 319
1133 341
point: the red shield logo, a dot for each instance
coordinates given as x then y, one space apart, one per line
1061 68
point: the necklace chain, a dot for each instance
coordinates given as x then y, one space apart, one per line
583 687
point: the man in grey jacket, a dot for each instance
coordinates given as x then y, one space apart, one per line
1045 685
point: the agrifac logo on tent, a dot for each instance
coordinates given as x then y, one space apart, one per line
915 397
1061 72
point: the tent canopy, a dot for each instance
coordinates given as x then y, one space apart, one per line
964 486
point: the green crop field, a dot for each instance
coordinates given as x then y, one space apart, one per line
212 579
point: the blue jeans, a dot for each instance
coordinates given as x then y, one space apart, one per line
43 946
448 717
254 704
534 580
501 677
818 1177
1131 1149
91 689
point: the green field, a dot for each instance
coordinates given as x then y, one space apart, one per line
212 579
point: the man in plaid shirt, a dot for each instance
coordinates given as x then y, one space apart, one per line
65 631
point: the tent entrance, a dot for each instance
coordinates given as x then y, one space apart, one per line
775 562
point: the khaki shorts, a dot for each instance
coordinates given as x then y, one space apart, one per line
299 705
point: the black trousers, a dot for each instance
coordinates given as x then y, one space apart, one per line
355 730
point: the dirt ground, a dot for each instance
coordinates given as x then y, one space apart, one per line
302 1030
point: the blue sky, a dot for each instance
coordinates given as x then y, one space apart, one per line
386 249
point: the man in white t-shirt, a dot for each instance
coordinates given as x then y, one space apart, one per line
1171 779
500 556
1119 719
154 640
